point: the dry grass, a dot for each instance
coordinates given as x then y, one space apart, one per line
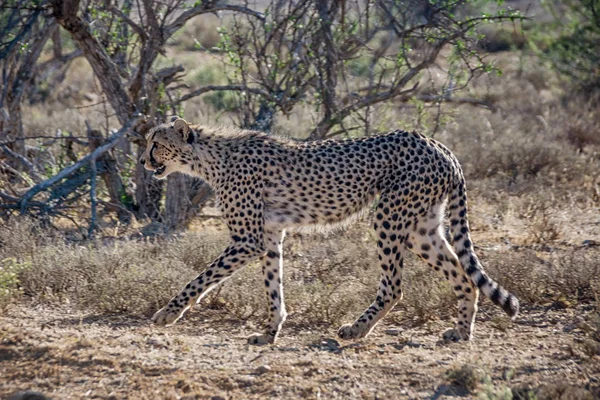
533 173
534 193
328 279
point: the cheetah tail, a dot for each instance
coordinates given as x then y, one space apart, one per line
461 240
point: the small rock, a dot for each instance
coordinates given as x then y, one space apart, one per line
263 369
28 395
154 342
332 343
393 332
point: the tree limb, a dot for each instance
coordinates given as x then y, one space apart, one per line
325 125
110 143
205 8
107 72
213 88
23 160
138 29
458 100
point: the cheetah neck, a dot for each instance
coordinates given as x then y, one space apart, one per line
208 158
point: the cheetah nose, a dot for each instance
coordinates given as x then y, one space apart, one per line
142 161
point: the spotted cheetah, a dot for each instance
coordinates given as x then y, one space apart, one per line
267 184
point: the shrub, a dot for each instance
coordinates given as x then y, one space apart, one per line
223 100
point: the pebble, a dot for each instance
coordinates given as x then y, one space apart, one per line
263 369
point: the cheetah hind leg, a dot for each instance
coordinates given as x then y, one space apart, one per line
390 249
430 245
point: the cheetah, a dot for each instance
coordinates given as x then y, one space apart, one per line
266 184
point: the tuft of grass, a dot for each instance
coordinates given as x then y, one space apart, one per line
9 282
590 345
491 392
468 377
541 229
524 393
563 391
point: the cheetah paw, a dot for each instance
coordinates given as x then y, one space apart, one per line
261 339
351 331
167 316
455 335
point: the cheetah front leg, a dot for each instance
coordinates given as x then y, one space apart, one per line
233 258
272 267
246 229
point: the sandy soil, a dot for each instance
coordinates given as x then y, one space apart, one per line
68 355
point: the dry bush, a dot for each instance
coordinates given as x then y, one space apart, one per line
501 38
134 277
541 227
568 275
467 376
526 140
563 391
581 122
328 280
427 295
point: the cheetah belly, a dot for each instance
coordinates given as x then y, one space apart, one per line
330 203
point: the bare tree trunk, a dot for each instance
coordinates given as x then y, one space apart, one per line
186 196
178 203
65 12
15 126
56 43
18 75
148 192
328 69
112 179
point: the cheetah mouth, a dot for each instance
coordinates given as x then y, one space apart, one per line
158 171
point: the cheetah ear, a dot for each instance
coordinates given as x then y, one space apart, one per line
182 126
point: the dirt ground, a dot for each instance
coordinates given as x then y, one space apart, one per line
69 355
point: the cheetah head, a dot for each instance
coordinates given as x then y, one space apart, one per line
169 148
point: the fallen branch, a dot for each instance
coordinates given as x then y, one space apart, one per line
110 143
24 161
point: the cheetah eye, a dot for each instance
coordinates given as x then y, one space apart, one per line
155 146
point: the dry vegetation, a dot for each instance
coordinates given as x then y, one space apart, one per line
74 313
